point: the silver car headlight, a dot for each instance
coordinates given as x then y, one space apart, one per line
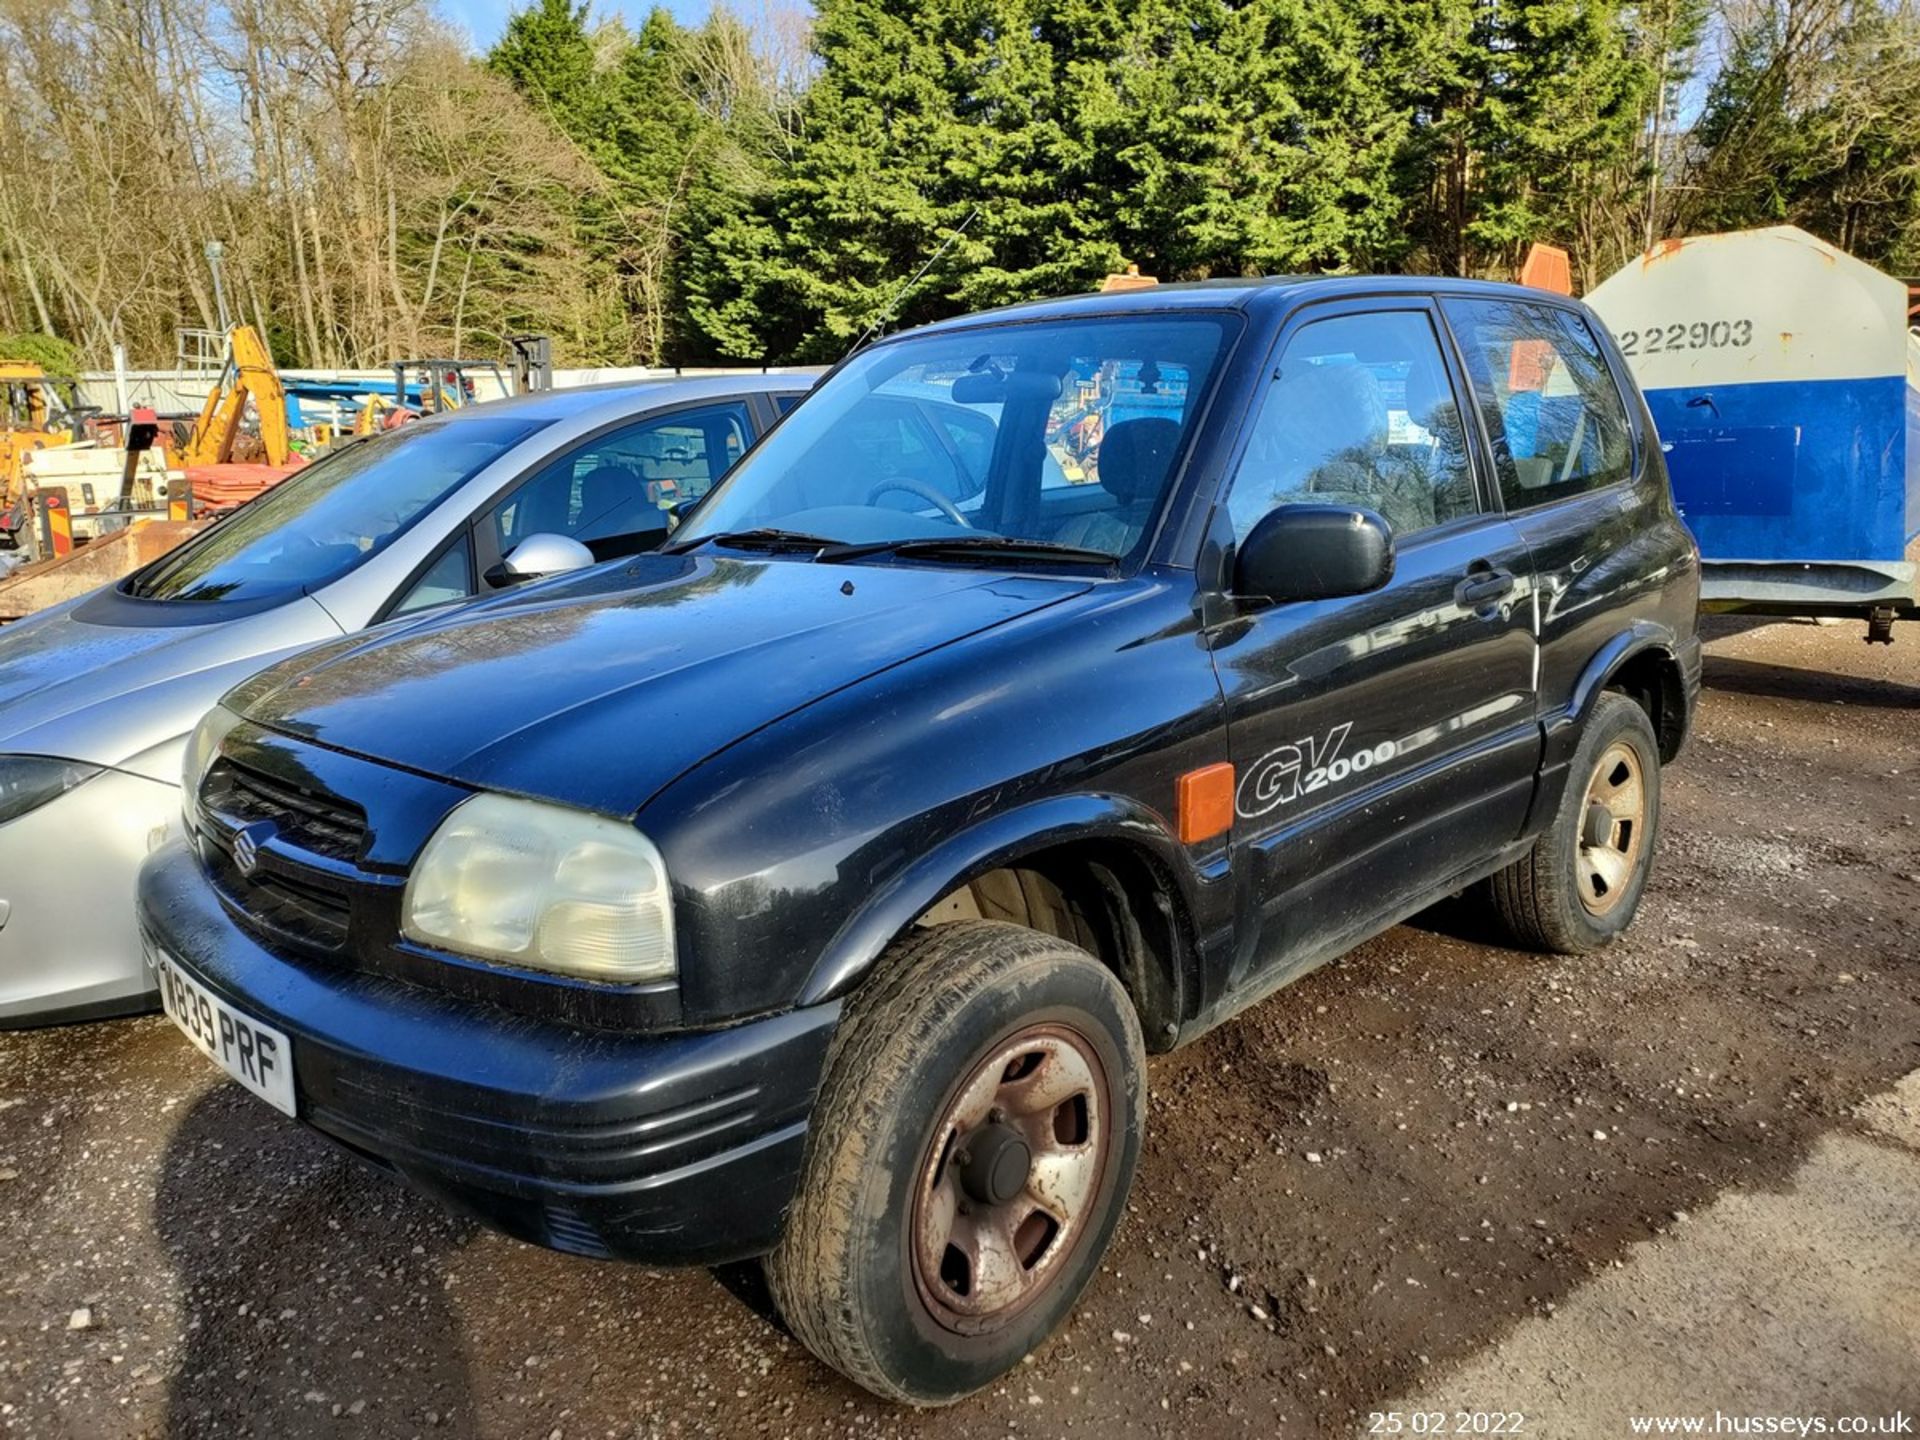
202 746
29 781
546 887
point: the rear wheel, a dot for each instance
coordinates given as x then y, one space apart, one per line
970 1154
1581 883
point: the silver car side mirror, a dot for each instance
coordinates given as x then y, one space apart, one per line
545 554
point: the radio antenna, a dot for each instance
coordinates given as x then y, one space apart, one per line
894 299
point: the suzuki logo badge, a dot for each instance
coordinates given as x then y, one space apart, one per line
246 847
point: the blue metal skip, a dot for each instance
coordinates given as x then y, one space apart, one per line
1785 390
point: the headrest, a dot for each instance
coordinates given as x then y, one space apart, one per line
612 478
612 499
1428 397
1339 404
1135 456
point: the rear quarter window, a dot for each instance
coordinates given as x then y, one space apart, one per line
1549 400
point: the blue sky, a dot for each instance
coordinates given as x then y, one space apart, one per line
485 19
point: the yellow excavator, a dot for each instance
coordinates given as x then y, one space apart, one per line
32 399
34 414
247 374
73 550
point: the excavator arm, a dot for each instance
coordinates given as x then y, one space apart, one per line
248 373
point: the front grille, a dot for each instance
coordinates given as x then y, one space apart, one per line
297 902
281 904
311 819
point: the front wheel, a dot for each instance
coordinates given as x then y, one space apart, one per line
1581 883
970 1153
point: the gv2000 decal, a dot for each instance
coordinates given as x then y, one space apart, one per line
1282 776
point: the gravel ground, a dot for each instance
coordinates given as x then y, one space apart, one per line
1798 1301
1353 1190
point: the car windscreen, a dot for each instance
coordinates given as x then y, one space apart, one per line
1059 433
315 526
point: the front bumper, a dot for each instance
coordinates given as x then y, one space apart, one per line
69 948
667 1149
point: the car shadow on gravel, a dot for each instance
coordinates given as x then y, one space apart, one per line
298 1267
1791 682
746 1281
1468 917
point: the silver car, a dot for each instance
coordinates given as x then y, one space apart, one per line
97 695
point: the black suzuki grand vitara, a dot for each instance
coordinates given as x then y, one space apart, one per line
1048 686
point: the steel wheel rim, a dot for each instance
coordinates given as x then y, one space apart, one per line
1613 824
977 1264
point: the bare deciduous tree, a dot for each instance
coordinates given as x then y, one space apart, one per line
378 195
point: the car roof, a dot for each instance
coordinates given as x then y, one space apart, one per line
1237 294
621 397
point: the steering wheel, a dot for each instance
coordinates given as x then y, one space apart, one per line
925 492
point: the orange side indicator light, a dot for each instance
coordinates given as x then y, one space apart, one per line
1204 802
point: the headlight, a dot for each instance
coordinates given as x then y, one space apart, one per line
545 887
29 781
202 746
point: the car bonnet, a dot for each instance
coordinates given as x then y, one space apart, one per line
106 693
599 690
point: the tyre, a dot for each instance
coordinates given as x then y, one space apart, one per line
970 1153
1581 883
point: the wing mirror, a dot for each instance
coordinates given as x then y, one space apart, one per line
1314 552
540 555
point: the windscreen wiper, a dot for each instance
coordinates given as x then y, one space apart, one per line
763 538
963 547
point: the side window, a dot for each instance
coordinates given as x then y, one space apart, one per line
1550 404
448 579
1361 412
613 493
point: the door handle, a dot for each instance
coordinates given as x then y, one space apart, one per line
1483 586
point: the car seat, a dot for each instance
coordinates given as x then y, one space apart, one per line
1131 467
1434 478
613 501
1322 439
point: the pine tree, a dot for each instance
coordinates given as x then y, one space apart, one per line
549 56
923 130
1562 108
1193 137
1819 125
628 101
1519 108
546 55
1246 139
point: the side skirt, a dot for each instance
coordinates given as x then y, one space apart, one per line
1336 945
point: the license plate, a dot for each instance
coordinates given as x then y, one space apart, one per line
256 1055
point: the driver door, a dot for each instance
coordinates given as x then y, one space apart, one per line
1384 742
